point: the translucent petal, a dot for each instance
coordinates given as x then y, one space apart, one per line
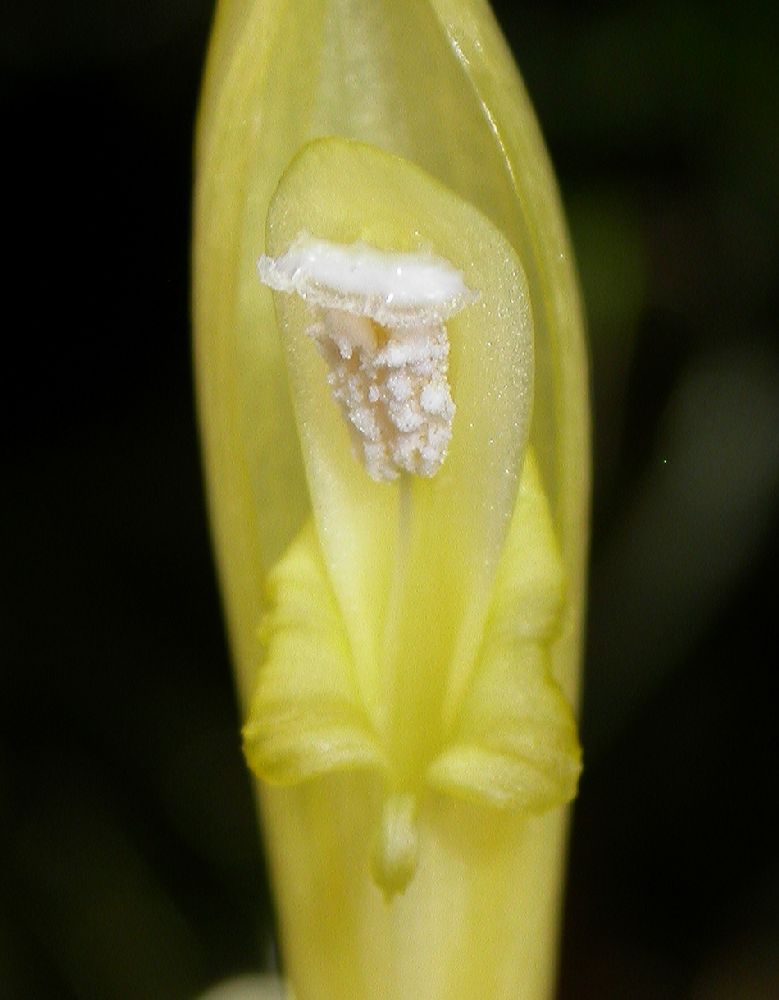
412 565
434 82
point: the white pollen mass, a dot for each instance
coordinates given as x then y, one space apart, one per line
379 319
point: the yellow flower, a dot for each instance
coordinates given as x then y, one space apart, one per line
395 440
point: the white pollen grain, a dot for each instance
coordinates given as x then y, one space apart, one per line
379 320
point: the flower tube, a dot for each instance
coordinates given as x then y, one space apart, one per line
392 396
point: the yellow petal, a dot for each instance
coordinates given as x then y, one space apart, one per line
306 716
411 564
514 742
430 81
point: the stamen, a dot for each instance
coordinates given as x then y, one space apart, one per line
379 321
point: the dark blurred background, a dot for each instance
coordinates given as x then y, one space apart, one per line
128 848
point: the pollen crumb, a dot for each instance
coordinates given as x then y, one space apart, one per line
386 394
379 320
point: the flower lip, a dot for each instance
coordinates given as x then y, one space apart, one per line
394 289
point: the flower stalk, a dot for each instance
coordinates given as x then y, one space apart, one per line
392 395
